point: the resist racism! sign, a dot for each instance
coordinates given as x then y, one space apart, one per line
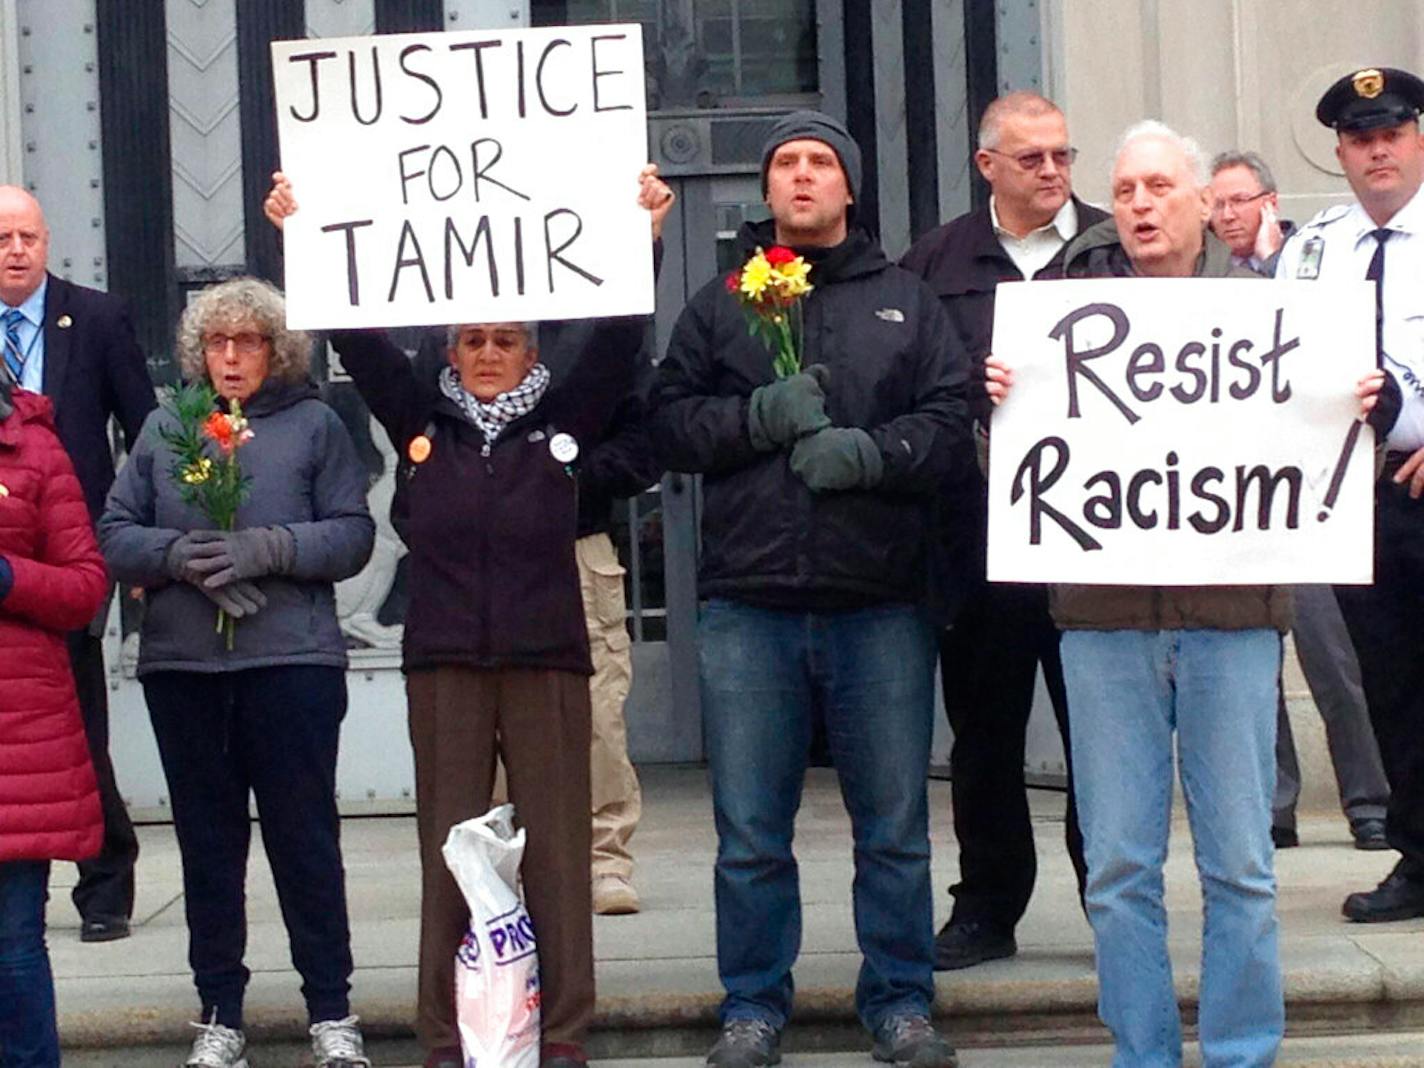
462 177
1182 432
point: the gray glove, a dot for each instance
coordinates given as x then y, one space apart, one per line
189 557
838 458
237 599
248 554
788 409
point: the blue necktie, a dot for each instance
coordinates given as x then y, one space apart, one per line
14 355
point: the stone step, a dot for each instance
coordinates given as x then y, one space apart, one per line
1404 1049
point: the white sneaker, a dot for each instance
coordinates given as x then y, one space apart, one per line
337 1044
216 1047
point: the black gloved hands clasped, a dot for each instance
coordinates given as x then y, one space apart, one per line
784 411
838 458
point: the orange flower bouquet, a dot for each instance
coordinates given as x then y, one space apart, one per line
770 288
214 484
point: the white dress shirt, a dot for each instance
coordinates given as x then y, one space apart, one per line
1343 251
1032 252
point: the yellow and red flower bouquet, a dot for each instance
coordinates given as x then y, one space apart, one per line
770 287
213 484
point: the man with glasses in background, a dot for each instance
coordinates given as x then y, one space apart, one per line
1244 211
1001 633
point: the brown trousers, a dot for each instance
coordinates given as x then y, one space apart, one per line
538 723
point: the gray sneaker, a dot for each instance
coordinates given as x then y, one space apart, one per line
216 1047
908 1040
746 1042
337 1044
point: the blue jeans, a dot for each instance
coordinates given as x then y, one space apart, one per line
871 674
28 1038
1128 691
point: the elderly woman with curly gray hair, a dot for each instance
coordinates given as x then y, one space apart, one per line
263 715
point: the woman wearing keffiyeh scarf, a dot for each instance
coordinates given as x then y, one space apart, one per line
496 649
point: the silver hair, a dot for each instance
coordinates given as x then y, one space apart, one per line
243 300
1251 161
1151 128
452 333
1021 102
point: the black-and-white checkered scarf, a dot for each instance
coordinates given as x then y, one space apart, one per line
493 417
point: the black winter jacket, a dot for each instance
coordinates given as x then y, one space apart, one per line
622 465
493 580
964 262
896 371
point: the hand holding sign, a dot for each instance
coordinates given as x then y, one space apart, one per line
998 379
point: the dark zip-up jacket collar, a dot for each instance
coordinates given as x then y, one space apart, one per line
1098 253
966 256
857 255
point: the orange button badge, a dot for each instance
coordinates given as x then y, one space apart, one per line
419 449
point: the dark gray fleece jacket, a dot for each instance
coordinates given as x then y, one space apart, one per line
306 477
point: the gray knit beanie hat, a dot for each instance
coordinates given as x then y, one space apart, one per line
816 126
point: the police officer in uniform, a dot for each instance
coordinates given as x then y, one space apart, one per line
1380 237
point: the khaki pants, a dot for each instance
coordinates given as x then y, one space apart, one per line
617 797
539 722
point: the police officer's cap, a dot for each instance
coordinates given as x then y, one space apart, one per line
1371 99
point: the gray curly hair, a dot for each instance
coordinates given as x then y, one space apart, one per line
243 300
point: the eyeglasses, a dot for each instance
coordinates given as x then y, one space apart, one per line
1236 201
1028 162
247 343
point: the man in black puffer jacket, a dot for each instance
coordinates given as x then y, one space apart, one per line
814 535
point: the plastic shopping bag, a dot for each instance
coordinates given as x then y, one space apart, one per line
497 966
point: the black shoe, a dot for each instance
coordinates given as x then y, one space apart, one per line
1284 837
908 1040
104 929
965 943
746 1042
563 1055
1397 898
1369 834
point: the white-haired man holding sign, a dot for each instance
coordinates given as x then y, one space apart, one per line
1145 663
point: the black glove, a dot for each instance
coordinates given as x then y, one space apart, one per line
249 554
788 409
838 458
189 558
237 599
1387 407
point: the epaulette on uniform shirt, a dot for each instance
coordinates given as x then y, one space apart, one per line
1326 216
